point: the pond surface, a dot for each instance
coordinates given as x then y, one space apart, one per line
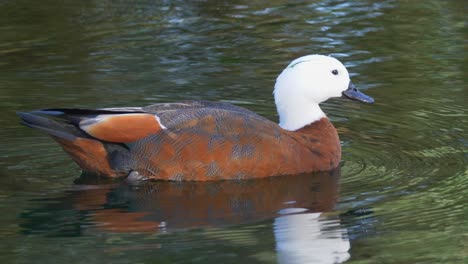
400 195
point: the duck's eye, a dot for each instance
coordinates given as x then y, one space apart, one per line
335 72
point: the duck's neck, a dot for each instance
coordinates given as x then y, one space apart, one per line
296 116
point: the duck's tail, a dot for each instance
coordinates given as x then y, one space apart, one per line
54 128
91 154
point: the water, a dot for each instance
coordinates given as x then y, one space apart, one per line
400 196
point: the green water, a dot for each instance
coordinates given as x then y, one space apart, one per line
401 194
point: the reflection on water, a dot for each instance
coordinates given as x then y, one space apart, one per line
404 170
180 205
162 207
320 240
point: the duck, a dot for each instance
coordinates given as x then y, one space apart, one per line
198 140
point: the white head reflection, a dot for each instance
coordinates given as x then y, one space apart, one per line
310 238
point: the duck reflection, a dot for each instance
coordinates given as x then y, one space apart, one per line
163 205
296 204
310 238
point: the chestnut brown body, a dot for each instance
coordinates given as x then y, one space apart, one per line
193 140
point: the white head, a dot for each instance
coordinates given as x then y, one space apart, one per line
304 84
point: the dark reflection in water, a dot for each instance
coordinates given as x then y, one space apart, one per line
163 207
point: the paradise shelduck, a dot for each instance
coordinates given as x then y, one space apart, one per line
201 140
